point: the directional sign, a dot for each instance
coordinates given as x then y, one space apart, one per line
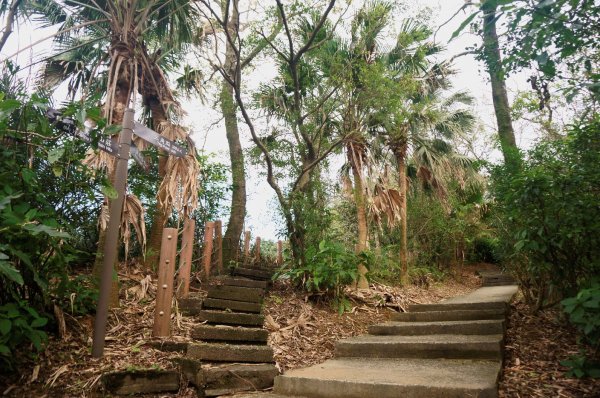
106 144
158 140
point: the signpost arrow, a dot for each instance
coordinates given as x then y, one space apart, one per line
151 136
105 143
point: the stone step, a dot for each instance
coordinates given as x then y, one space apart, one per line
480 327
243 282
490 305
190 306
214 352
149 381
230 333
392 378
237 293
427 346
231 318
233 378
232 305
458 315
252 273
499 283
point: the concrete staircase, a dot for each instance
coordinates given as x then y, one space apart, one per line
450 349
230 352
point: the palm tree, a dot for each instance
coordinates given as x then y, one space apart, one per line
428 113
121 47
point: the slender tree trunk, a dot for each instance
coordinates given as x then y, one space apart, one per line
400 153
361 217
493 61
162 213
10 21
235 224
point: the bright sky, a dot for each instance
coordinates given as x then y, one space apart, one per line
209 133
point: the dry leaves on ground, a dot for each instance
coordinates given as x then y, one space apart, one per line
535 346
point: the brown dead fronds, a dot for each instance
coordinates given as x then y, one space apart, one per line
179 188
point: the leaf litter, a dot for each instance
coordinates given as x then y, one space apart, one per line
303 332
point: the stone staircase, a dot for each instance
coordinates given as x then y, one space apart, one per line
230 352
450 349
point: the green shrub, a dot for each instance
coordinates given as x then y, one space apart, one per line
19 324
584 313
329 267
486 250
79 295
548 214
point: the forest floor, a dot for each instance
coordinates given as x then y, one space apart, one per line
303 332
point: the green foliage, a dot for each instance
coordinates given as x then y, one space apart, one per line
584 312
20 324
486 249
329 268
79 295
548 213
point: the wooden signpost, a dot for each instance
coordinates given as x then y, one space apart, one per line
121 150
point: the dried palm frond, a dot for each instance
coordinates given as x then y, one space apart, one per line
133 214
179 188
172 131
103 218
99 160
385 203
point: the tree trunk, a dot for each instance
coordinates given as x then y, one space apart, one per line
10 20
235 224
361 217
162 213
493 61
400 153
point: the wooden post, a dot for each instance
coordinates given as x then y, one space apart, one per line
246 244
209 230
164 294
185 259
111 241
219 245
257 249
279 252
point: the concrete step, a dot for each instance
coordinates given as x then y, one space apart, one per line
458 315
427 346
480 327
392 378
237 293
252 273
497 280
230 333
232 305
214 352
243 282
190 306
150 381
233 378
490 305
231 318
